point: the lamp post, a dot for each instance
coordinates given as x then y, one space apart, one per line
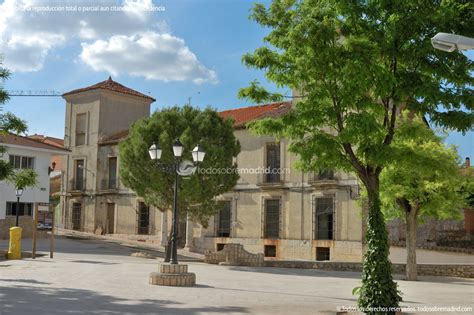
18 193
174 168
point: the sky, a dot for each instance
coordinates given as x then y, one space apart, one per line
174 51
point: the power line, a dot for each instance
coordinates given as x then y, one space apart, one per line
34 93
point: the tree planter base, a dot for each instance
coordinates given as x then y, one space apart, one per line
173 275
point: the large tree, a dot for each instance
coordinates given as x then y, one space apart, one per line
355 64
191 126
422 181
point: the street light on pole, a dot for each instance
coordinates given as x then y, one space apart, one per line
18 193
451 42
174 168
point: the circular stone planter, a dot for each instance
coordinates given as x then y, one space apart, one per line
173 275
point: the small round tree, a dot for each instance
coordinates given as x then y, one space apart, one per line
192 126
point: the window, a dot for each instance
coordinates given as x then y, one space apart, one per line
322 253
324 218
26 209
326 175
112 182
273 163
76 216
22 162
143 218
272 218
270 251
81 129
79 180
224 220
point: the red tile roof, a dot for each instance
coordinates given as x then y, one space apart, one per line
114 138
27 142
241 117
111 85
48 140
244 115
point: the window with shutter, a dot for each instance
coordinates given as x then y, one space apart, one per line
81 129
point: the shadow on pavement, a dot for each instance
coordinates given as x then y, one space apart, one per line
30 281
40 300
93 262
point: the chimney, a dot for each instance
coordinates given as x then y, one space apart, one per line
468 162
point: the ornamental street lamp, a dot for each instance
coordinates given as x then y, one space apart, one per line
174 168
18 193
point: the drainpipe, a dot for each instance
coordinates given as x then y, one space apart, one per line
302 205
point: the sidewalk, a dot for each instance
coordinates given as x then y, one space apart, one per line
129 243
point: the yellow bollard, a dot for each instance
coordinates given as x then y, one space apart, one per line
14 251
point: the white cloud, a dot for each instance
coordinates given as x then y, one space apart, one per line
27 37
29 53
151 55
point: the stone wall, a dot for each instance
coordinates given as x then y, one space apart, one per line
446 270
234 255
348 251
456 249
26 223
448 233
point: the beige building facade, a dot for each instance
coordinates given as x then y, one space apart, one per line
274 209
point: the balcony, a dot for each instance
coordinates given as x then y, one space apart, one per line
77 184
109 184
322 178
273 179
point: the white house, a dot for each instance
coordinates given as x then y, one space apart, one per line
22 153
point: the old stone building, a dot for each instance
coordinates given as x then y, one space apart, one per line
274 209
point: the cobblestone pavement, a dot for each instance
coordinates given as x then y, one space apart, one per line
98 277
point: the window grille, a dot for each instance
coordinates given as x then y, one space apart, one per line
272 218
324 218
26 209
143 223
273 163
223 221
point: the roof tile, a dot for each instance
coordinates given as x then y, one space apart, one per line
110 85
244 115
12 139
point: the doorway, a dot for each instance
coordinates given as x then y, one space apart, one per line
110 218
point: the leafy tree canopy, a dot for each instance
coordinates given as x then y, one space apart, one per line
425 174
191 126
24 178
353 66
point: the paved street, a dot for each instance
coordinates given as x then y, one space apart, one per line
97 277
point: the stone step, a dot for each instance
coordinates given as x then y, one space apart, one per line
167 268
176 280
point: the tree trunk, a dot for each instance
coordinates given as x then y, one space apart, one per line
378 288
411 272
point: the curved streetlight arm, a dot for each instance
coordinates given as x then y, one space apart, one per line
451 42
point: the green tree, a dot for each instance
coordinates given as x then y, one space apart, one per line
9 123
355 64
423 180
191 126
24 178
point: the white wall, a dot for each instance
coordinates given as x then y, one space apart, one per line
30 194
